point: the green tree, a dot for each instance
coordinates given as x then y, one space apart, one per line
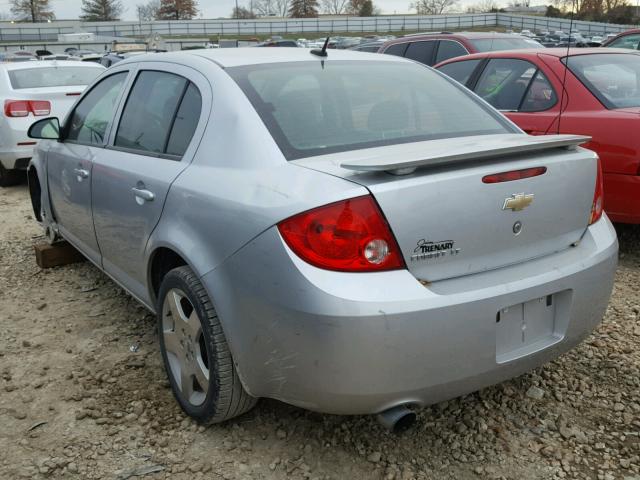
177 9
32 10
101 10
303 9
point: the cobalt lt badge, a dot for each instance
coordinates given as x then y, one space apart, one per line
518 201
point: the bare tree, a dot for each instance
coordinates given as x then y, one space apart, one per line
432 7
243 13
148 12
334 7
32 10
484 6
266 8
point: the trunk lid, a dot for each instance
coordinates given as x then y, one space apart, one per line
61 98
449 223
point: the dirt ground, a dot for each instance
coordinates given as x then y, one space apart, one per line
83 395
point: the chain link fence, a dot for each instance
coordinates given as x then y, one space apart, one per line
308 26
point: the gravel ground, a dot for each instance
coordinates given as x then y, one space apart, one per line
83 395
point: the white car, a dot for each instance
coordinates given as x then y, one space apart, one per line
35 89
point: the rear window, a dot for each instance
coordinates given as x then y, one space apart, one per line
53 77
613 78
497 44
314 109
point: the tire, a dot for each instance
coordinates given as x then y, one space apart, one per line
194 347
8 177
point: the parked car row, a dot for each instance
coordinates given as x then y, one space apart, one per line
29 90
594 92
349 233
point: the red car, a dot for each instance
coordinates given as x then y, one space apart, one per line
601 98
629 39
436 47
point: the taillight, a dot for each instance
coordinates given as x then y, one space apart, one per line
40 107
22 108
598 194
16 108
350 236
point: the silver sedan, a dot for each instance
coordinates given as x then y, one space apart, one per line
351 233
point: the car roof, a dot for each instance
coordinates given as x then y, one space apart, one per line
236 57
559 52
46 63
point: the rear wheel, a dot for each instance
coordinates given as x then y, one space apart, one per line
195 352
8 177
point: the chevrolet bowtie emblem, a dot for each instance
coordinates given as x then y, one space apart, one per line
517 202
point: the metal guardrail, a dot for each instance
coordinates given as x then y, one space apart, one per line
269 26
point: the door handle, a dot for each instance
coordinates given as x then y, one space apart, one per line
81 172
143 194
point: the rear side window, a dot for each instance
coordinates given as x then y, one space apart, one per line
628 41
449 49
540 95
53 77
396 49
149 114
460 71
421 52
90 119
186 122
506 82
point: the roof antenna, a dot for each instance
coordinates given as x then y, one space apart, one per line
322 52
566 67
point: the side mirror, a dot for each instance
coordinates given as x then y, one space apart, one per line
46 129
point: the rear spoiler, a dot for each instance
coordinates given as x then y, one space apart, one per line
442 151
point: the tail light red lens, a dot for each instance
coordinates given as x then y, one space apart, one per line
349 236
514 175
22 108
16 108
598 197
40 107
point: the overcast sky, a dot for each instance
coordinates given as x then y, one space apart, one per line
69 9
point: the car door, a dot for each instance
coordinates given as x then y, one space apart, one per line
520 90
70 162
133 175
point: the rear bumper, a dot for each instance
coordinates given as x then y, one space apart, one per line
622 197
16 159
361 343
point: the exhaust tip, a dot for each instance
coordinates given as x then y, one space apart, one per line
397 419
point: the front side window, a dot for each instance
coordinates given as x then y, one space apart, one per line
460 71
90 119
505 83
53 77
148 115
614 78
311 109
628 41
449 49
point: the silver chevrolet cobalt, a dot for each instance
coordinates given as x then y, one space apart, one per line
349 233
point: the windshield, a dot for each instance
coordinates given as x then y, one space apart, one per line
497 44
313 109
613 78
53 77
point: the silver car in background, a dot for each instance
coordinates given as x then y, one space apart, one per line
34 89
350 234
